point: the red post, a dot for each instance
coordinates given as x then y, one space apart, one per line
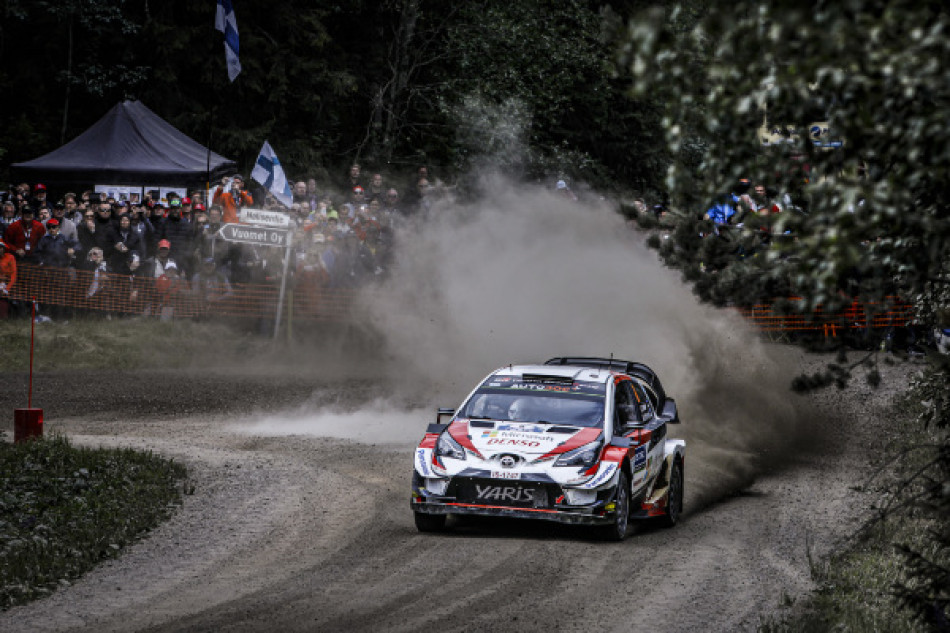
28 423
29 398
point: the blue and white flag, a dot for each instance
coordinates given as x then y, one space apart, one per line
269 173
225 22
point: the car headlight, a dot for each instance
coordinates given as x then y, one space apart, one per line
585 456
448 447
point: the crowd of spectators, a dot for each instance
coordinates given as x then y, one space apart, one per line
343 236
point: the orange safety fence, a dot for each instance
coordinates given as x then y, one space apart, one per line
176 297
311 300
858 316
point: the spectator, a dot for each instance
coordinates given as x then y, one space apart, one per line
300 194
354 177
7 278
23 235
71 205
423 201
43 214
97 268
124 247
56 253
8 215
162 264
376 190
146 232
313 196
54 249
40 200
209 285
232 195
564 191
91 232
178 232
66 226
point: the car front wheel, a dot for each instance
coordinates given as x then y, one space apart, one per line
620 527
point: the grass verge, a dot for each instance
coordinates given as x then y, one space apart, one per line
123 344
63 509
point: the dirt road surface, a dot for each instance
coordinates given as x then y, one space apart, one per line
301 532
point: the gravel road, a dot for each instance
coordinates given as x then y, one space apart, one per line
292 528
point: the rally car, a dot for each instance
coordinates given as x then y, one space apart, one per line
575 440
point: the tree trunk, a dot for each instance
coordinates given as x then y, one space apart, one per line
69 81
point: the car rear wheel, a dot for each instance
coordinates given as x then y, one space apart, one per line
674 498
620 527
429 522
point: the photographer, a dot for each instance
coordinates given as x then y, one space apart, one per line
231 196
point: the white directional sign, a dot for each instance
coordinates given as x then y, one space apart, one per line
266 218
259 235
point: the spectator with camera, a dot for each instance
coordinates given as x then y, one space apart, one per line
232 196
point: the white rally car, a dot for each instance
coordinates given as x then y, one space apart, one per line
575 440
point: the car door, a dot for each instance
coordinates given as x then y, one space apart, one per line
651 422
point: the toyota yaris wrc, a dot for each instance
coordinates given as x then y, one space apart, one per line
575 440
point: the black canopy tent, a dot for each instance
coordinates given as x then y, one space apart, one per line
130 145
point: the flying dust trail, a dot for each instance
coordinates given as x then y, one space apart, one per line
522 275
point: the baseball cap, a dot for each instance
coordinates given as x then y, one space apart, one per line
164 244
199 207
186 200
52 222
39 187
175 202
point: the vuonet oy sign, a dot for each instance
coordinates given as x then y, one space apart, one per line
259 235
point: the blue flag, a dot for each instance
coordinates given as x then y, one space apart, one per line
269 173
225 22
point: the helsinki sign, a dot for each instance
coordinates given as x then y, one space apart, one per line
258 235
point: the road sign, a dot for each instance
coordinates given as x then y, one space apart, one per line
265 218
259 235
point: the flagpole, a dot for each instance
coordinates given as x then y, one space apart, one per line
214 104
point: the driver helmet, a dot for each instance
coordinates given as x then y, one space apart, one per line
518 410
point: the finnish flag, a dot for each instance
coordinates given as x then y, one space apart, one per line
225 22
269 173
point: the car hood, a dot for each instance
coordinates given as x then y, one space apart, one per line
533 440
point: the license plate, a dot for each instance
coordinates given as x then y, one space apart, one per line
505 474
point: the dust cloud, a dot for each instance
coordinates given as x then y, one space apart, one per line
522 275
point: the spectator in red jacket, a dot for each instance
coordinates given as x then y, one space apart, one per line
7 278
23 235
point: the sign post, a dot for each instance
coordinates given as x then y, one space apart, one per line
259 235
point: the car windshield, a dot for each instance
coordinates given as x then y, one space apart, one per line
551 408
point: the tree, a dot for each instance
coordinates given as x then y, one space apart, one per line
872 216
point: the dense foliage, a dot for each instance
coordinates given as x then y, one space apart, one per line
393 84
64 509
869 219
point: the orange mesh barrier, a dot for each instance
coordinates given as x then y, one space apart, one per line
130 294
311 300
858 316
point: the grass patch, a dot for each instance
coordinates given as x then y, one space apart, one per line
64 509
123 344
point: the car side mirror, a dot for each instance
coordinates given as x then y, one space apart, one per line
670 414
443 411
